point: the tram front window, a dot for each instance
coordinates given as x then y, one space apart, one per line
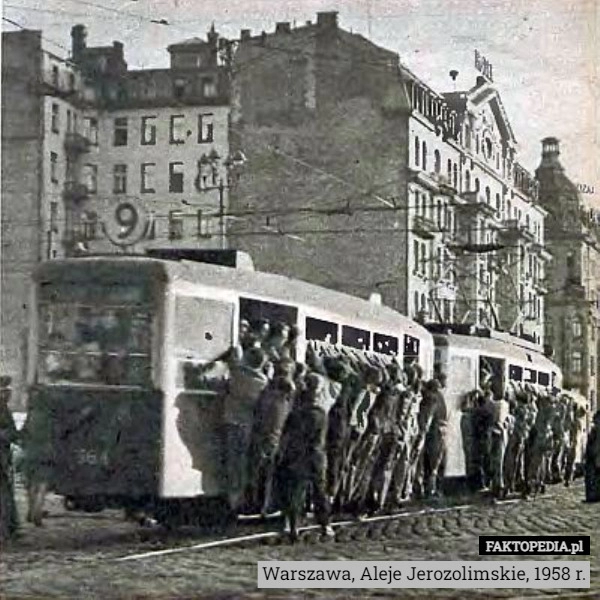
95 335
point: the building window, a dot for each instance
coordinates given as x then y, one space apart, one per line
90 178
455 176
417 248
148 131
577 328
424 146
90 125
175 225
468 181
417 152
477 185
120 132
69 121
176 129
179 88
205 224
54 217
120 179
488 195
147 178
205 128
209 88
437 159
55 120
176 177
576 363
90 226
71 82
416 300
55 76
53 167
592 365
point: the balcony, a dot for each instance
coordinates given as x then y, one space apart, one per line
75 191
424 227
76 144
512 229
474 204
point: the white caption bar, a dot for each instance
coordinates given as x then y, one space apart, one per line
424 574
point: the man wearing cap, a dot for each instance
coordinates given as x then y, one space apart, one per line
246 384
270 414
303 460
9 520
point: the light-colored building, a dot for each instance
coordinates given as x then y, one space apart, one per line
573 301
100 158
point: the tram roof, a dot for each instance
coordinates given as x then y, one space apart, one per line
494 346
276 288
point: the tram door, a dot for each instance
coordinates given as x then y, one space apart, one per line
491 372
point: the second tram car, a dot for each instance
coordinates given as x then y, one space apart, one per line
468 360
114 348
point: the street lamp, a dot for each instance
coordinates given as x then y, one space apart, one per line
231 163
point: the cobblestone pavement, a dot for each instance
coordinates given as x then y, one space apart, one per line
73 556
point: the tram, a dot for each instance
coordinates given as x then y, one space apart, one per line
468 360
114 345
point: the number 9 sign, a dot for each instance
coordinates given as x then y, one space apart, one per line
125 224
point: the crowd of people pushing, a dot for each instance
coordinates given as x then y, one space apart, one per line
352 432
357 433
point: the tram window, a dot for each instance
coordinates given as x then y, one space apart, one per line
385 344
515 373
355 338
530 376
322 331
412 347
543 378
255 311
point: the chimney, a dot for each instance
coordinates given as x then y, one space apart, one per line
118 48
78 41
327 20
283 27
245 35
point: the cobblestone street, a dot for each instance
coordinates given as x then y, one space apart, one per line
73 556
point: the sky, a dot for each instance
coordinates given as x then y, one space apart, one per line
545 53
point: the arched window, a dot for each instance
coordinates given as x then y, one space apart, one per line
417 151
424 303
449 170
424 156
477 185
455 176
508 208
488 195
438 161
498 202
468 181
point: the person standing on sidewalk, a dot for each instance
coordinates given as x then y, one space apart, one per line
592 462
9 520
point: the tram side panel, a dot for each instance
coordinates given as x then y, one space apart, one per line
461 371
201 327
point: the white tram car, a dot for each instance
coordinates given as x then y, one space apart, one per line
467 359
114 340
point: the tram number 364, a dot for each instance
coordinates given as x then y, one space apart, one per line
91 458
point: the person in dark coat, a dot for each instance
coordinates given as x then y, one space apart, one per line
592 462
303 459
270 415
9 520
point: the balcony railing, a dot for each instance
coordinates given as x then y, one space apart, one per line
75 191
75 143
514 230
424 227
